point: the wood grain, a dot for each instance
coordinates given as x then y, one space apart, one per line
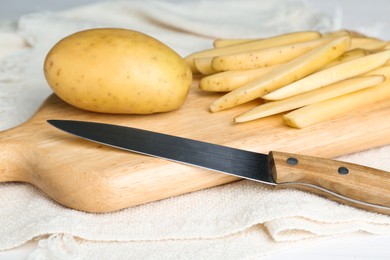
351 184
90 177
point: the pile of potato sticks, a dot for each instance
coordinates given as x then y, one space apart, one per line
312 76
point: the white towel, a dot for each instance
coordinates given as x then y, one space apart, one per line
234 221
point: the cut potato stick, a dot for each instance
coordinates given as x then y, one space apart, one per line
367 43
343 33
318 95
356 34
333 74
384 71
285 74
347 56
218 43
331 108
228 42
264 57
336 34
203 66
279 40
229 80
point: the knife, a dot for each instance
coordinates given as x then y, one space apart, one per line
348 183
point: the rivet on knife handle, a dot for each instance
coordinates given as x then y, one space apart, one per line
351 184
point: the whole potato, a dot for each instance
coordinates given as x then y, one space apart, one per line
114 70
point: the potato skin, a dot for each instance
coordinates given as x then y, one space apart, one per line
112 70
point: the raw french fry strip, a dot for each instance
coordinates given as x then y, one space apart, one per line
255 59
228 42
218 43
384 70
283 75
347 56
264 57
318 95
203 66
324 110
229 80
337 33
367 43
333 74
279 40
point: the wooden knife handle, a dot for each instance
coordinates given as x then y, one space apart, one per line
348 183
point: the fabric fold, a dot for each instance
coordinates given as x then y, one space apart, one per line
281 216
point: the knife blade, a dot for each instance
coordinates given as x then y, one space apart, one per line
348 183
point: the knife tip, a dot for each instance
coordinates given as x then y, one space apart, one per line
55 122
52 121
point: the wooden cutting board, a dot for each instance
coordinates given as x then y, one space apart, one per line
91 177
